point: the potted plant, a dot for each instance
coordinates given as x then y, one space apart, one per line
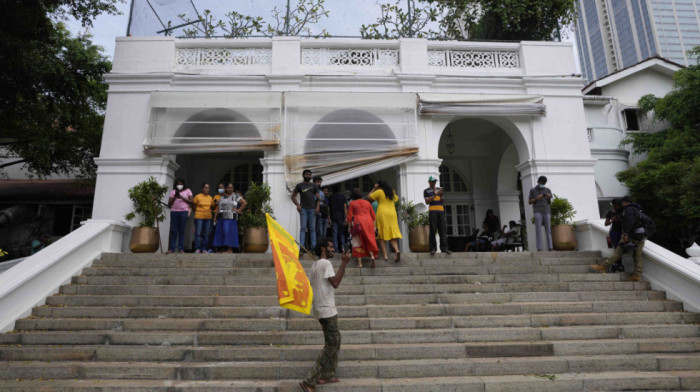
418 229
145 197
563 237
255 238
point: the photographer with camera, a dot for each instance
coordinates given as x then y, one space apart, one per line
633 237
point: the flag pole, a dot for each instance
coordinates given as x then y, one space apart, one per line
306 250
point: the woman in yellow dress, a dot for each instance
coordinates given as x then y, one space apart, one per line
387 222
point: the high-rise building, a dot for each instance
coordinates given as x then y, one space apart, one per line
615 34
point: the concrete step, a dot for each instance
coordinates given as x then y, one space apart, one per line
475 304
569 382
245 260
478 283
359 352
352 271
385 369
396 336
146 275
350 300
348 323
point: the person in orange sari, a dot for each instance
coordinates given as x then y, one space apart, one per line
361 219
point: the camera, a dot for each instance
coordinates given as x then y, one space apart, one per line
629 246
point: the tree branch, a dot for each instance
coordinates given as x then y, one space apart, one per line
4 165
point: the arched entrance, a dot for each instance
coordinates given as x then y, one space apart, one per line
484 153
212 127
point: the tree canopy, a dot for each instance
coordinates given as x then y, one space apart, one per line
667 183
52 92
515 20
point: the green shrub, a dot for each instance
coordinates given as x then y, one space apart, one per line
562 211
258 203
145 198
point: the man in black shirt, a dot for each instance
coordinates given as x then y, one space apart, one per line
308 207
338 210
633 237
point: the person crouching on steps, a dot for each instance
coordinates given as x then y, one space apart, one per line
323 282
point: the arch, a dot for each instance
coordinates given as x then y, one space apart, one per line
349 124
216 123
599 190
507 173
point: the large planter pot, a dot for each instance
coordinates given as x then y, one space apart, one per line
255 240
418 239
144 240
563 237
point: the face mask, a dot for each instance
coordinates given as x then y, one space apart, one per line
540 186
179 187
221 190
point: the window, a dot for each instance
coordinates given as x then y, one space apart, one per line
242 175
631 119
458 219
80 214
450 180
365 183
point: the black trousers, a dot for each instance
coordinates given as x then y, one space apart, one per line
437 222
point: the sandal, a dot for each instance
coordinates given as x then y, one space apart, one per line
305 387
398 257
372 265
332 380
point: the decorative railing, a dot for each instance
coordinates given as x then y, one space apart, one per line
473 59
229 57
371 57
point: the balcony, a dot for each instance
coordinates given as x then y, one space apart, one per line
299 56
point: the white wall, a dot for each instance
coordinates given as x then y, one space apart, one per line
554 145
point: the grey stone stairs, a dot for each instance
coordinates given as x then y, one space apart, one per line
468 322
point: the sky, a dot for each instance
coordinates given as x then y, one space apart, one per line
106 28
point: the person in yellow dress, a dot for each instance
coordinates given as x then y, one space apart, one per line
387 221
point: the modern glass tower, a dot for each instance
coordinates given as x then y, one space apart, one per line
614 34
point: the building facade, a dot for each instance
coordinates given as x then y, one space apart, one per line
615 34
489 117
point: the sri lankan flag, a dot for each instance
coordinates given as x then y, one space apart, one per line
293 286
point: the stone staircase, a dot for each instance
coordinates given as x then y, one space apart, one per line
468 322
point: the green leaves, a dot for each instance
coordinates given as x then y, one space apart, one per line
145 198
667 183
411 216
52 93
258 203
562 211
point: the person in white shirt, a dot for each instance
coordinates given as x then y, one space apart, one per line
324 281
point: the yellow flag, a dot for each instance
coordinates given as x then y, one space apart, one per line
293 286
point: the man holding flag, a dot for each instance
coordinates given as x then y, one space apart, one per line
323 282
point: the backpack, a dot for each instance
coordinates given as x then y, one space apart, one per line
646 223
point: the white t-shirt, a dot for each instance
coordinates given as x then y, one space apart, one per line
324 293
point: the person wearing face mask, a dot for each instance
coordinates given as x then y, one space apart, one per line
202 219
218 192
226 216
541 197
179 202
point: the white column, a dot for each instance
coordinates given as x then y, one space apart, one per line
284 211
571 179
509 207
116 176
413 179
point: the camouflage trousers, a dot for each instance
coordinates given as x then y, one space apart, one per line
327 362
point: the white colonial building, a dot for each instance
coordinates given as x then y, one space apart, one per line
484 115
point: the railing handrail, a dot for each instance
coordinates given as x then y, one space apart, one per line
665 270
